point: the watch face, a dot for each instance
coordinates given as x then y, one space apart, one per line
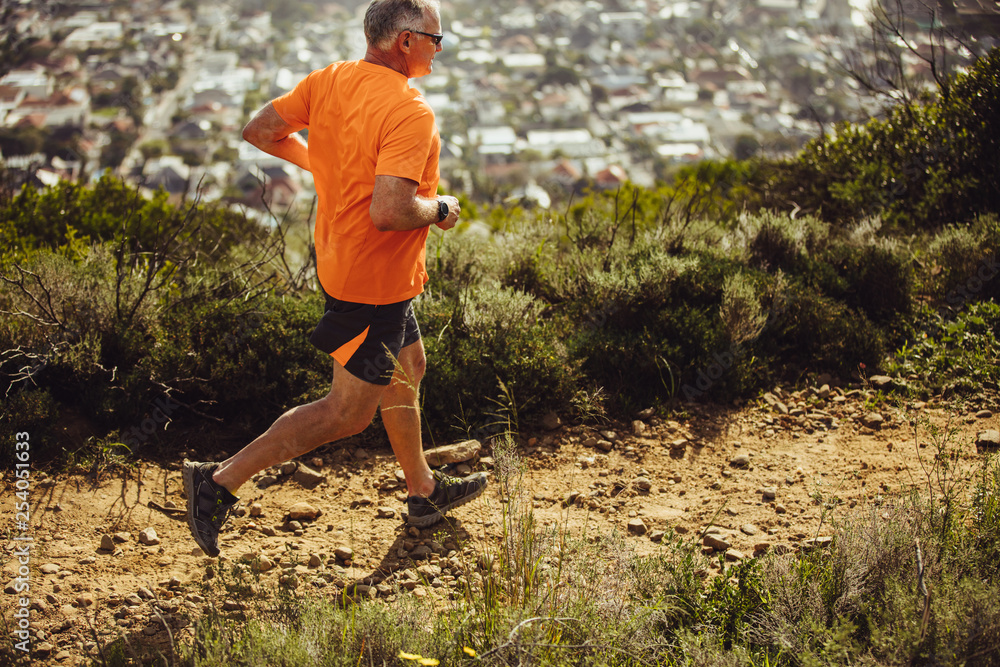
442 210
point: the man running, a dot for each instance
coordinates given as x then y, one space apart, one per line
373 152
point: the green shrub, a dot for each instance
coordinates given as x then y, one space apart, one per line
969 261
491 341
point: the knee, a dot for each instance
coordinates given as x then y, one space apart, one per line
417 368
344 419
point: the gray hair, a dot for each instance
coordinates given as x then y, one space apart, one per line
385 19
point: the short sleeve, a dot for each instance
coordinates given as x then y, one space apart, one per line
293 106
407 140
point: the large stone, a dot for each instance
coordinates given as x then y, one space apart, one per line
988 441
305 511
551 421
308 477
455 453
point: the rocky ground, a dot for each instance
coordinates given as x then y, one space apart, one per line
112 555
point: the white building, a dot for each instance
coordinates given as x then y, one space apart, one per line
104 34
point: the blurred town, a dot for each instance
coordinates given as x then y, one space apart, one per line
533 97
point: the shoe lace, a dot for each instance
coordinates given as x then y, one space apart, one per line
222 513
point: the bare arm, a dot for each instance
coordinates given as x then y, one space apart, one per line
269 132
396 206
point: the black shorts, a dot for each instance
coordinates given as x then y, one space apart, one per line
366 339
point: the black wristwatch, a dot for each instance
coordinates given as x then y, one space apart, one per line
442 210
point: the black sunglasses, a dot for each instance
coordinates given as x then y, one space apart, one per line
436 37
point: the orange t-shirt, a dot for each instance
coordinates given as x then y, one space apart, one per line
364 120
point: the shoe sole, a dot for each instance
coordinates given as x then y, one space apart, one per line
189 470
431 519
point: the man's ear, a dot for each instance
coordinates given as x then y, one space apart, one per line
403 42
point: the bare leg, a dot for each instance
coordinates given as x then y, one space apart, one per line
345 411
400 411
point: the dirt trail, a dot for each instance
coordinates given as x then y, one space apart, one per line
772 475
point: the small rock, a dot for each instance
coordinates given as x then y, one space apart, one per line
266 481
715 541
657 536
422 551
288 467
678 445
122 538
49 568
984 414
256 509
314 560
638 428
303 511
740 461
85 600
43 649
883 382
780 509
643 483
360 454
429 571
988 441
263 564
149 537
647 413
873 420
459 452
133 600
605 445
749 529
107 543
636 526
769 493
817 542
386 512
551 421
231 605
734 556
343 553
316 462
308 477
145 593
823 392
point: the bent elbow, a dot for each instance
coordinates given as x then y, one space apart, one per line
381 220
